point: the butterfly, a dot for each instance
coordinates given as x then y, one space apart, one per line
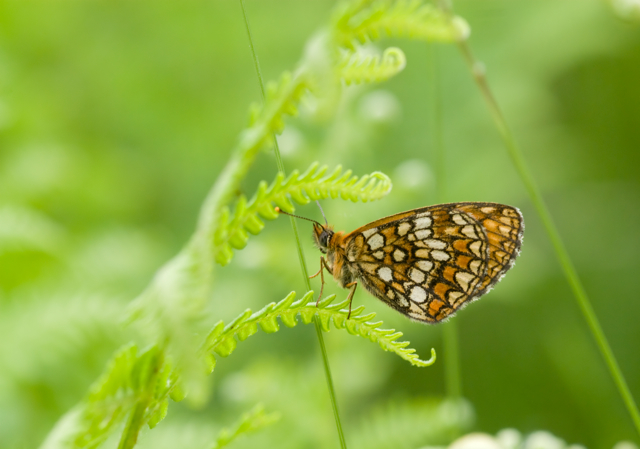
426 263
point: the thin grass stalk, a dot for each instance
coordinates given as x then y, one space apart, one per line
303 265
569 270
452 375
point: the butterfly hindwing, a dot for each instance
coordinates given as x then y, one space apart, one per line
429 262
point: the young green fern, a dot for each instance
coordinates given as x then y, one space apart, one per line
314 184
138 386
367 21
282 99
252 421
135 384
362 67
222 339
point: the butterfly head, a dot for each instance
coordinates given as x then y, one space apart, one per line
322 233
322 236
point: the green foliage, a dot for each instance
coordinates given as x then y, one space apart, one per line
222 339
24 228
362 67
134 385
413 423
251 421
169 313
369 20
314 184
282 99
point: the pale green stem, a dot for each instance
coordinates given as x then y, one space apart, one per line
570 273
303 265
137 419
452 376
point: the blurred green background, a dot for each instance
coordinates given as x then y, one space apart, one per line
116 117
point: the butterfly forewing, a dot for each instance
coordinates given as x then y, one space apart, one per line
429 262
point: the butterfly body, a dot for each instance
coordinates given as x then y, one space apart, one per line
426 263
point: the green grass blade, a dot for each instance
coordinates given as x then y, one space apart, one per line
561 253
303 266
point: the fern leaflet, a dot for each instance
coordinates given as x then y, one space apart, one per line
360 67
252 421
366 21
233 231
222 339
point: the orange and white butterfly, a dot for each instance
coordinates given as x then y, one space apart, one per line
426 263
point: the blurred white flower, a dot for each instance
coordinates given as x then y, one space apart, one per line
627 9
625 445
476 441
509 438
543 440
379 106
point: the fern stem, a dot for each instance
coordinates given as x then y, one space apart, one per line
303 265
452 376
129 437
137 419
561 253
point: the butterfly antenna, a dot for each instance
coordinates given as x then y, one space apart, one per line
321 211
280 211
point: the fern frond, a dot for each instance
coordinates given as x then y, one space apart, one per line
367 21
251 421
360 67
281 99
233 230
413 423
133 381
222 339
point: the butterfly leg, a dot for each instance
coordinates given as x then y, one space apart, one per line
353 286
323 265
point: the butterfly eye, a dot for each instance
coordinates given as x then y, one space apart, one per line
324 239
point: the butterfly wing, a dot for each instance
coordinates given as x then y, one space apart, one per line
428 263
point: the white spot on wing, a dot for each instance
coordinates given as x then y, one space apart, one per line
399 255
379 255
475 248
418 294
440 255
454 296
424 265
422 222
417 276
369 232
463 278
376 241
423 234
435 244
470 231
385 274
475 265
403 228
403 301
458 219
390 294
423 254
